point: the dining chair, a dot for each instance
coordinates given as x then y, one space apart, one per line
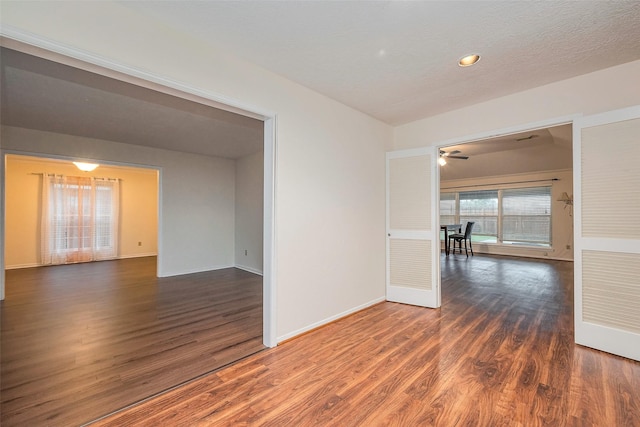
459 238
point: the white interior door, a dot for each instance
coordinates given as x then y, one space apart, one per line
606 150
413 243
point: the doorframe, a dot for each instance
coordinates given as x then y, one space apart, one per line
47 49
526 127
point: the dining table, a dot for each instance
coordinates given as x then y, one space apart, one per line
456 228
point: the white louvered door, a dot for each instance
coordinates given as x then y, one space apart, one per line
413 245
607 231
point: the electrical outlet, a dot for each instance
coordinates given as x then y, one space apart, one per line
139 243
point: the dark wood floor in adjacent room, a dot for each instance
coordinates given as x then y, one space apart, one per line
499 352
81 341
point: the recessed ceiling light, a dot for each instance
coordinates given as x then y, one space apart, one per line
468 60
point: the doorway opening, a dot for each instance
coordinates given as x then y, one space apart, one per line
194 185
517 189
512 188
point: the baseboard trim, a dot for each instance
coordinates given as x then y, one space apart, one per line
249 269
523 256
18 266
328 320
195 270
148 254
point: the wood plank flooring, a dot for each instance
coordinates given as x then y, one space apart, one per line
499 352
81 341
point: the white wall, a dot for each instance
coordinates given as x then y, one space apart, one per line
249 212
197 201
561 219
138 206
604 90
330 179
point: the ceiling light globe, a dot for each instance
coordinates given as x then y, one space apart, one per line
86 167
468 60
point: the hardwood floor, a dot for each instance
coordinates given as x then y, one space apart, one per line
499 352
81 341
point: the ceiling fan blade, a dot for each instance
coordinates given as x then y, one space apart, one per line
451 153
526 138
458 157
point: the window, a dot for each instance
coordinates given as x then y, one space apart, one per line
526 215
447 210
79 219
482 208
519 216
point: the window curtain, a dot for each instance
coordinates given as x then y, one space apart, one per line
80 217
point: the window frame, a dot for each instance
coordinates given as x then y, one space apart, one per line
501 216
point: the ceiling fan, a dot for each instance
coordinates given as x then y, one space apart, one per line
450 155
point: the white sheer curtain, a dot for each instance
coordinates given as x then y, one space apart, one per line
80 218
106 218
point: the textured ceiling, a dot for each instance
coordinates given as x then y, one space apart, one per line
397 60
393 60
47 96
528 152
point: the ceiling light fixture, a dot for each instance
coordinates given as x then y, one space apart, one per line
469 60
86 167
442 161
